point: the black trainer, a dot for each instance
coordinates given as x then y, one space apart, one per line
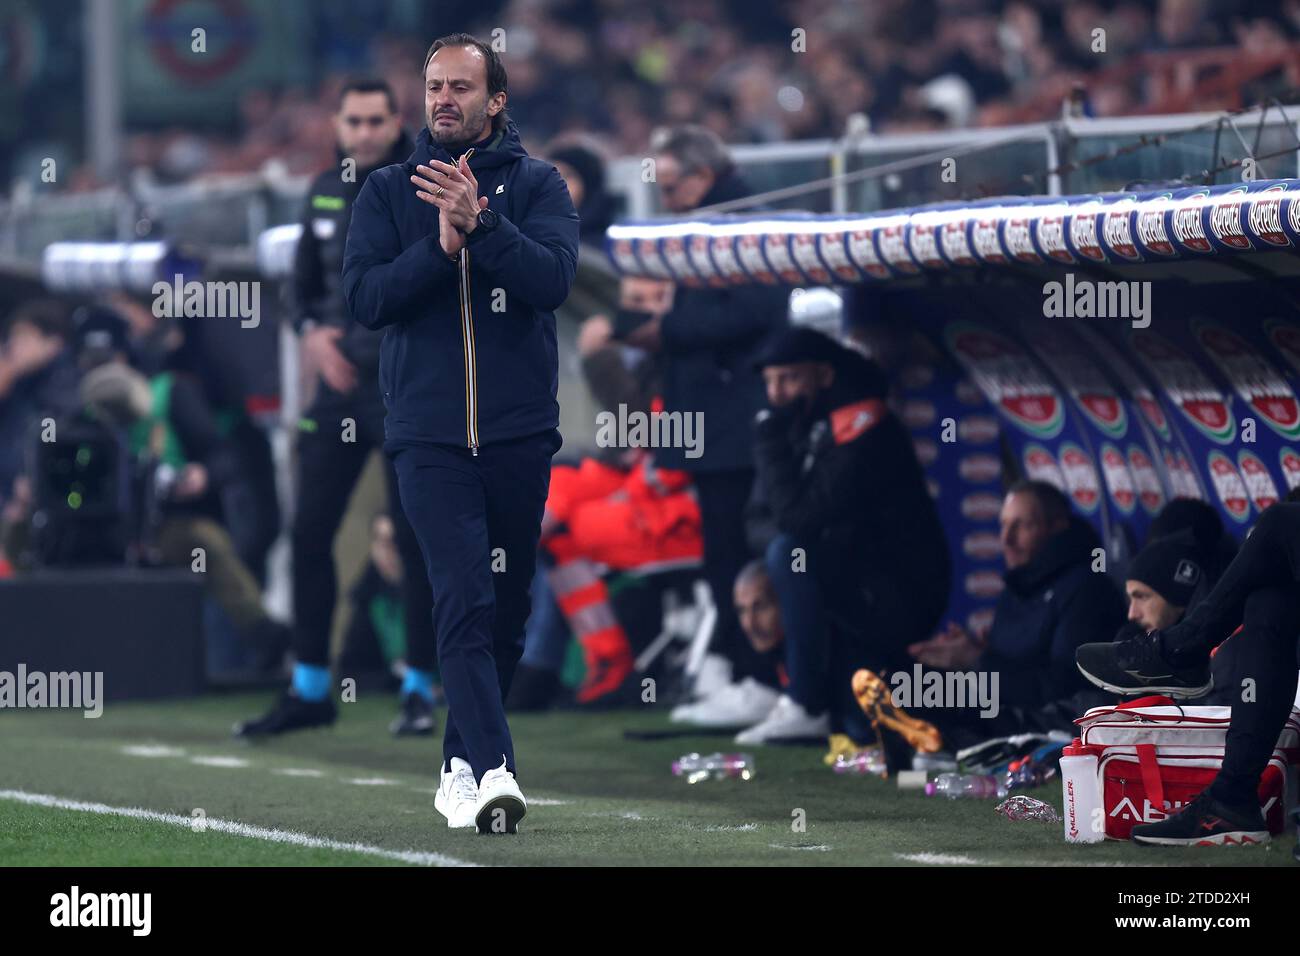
290 712
1205 822
414 717
1138 665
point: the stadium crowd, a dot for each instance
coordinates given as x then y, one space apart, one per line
732 66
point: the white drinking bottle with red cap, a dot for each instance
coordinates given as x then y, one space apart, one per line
1084 816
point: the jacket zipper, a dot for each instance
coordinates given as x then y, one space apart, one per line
471 358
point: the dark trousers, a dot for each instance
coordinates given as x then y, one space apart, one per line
478 519
1262 690
1260 589
807 632
835 626
328 469
722 496
1269 557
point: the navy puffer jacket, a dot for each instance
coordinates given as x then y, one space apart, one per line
469 356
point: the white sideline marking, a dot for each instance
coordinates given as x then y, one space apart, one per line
299 772
234 828
371 781
540 801
742 828
219 761
152 750
820 847
940 859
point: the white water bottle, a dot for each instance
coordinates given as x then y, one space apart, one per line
1084 816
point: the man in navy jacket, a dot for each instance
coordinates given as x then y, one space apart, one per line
462 254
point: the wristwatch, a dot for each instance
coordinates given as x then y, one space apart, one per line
487 221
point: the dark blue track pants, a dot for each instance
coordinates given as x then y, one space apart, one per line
478 519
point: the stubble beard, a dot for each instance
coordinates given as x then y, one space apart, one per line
456 142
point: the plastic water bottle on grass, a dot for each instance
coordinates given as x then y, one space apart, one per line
868 762
955 786
714 767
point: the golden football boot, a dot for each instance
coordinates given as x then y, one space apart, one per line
874 699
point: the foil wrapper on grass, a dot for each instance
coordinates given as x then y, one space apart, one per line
1027 808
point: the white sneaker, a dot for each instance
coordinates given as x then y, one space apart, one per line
786 721
714 674
736 705
501 803
457 794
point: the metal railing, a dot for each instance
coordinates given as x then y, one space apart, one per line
861 173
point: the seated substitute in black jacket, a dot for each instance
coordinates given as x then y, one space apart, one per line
1052 602
837 471
463 261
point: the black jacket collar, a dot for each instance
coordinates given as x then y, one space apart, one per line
726 188
1071 547
400 149
496 149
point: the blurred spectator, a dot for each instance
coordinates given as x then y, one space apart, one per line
706 343
613 512
173 439
748 701
37 376
248 500
583 170
615 366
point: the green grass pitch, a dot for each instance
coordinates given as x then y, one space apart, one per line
352 795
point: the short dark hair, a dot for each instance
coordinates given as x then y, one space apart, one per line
1051 499
368 84
695 148
496 70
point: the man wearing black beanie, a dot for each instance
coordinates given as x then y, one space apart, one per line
1260 590
1162 579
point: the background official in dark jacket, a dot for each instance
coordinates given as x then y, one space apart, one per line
463 254
707 342
332 453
